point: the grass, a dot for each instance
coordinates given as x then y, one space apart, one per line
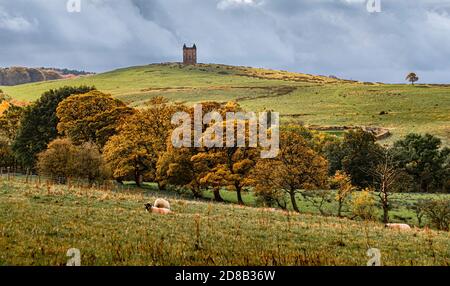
401 205
312 100
39 223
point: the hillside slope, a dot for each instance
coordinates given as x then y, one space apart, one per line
142 80
40 223
21 75
312 100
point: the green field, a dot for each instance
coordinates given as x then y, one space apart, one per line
402 205
39 223
312 100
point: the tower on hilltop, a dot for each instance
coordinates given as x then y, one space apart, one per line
189 55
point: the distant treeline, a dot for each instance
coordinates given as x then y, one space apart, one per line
21 75
68 71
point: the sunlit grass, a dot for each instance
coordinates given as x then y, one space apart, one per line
311 100
38 224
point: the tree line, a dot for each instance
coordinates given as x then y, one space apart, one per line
80 132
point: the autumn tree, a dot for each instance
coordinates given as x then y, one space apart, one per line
188 167
224 164
231 159
363 204
10 122
344 189
89 163
7 158
58 160
412 78
38 125
140 141
297 168
264 188
203 157
176 168
63 160
3 106
91 117
226 167
231 169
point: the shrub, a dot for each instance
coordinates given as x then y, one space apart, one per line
363 204
63 160
270 198
423 159
57 161
7 158
90 164
343 183
419 210
438 213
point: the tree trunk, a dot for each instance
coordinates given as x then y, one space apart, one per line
197 192
217 196
340 209
385 202
239 195
385 214
282 206
294 201
161 187
138 179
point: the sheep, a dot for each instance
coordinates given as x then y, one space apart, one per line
162 203
398 226
269 210
160 206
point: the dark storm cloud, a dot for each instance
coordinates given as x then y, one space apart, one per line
336 37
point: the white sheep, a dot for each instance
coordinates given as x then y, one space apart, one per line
160 206
398 226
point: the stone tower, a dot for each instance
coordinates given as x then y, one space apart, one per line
189 55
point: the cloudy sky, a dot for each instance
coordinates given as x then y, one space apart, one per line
327 37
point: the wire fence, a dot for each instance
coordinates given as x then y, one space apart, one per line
20 175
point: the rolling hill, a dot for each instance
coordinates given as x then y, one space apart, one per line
312 100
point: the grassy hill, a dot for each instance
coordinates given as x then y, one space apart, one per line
39 223
313 100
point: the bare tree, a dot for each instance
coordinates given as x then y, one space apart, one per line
385 175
